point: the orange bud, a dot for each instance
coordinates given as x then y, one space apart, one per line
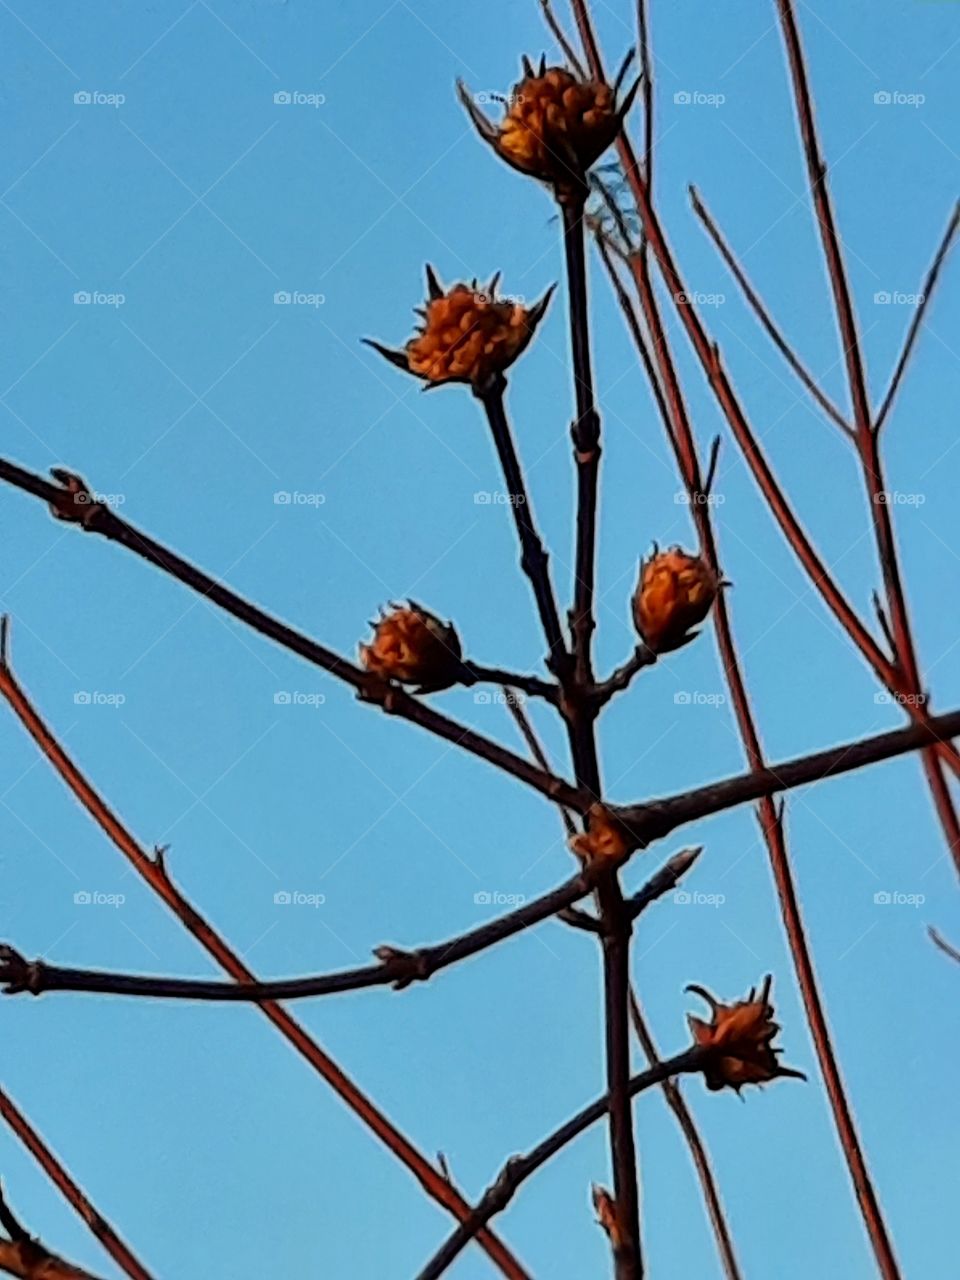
467 335
604 838
412 646
741 1039
674 593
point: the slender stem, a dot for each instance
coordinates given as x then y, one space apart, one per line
153 872
766 320
561 38
19 1125
616 923
476 673
397 967
913 332
519 1168
643 656
586 439
392 699
698 1151
534 559
646 69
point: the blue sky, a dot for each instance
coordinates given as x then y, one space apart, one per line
196 399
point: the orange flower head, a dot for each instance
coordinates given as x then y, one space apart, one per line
605 838
556 125
412 646
467 334
740 1037
674 593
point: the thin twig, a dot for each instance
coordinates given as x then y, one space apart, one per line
79 505
561 38
519 1168
534 559
397 967
21 1127
939 940
153 872
477 673
586 440
913 332
766 320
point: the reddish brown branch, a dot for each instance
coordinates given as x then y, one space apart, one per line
913 332
153 872
867 440
119 1251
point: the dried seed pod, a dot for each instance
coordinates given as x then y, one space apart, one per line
412 646
740 1037
674 593
468 334
555 126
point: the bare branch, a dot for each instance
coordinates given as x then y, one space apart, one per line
78 506
397 968
534 559
913 332
656 818
120 1252
153 871
519 1168
763 315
